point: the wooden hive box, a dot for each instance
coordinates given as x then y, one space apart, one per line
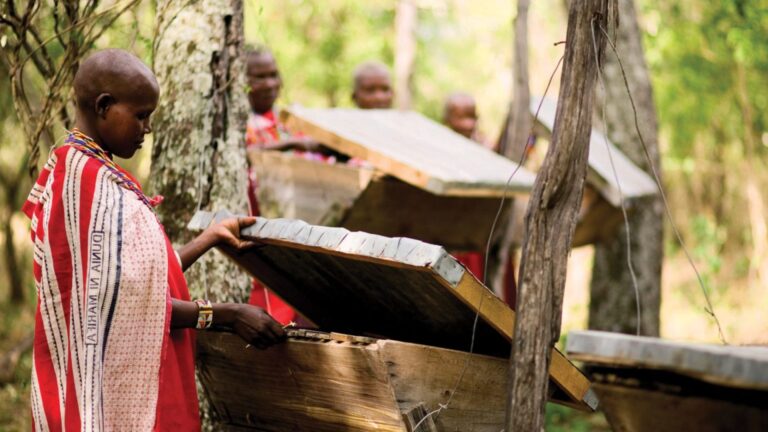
650 384
420 179
410 309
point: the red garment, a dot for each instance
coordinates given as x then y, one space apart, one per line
104 356
475 261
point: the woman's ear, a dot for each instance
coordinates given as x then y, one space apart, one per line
103 102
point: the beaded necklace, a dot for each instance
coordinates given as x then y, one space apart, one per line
87 145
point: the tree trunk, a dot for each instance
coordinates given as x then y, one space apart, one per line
405 52
511 144
198 158
551 218
612 304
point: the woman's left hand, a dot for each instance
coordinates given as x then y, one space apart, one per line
227 232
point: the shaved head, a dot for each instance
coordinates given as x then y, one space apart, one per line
372 86
459 113
369 69
115 72
116 95
457 100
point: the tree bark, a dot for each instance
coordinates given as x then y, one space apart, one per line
512 143
198 157
612 304
405 52
551 218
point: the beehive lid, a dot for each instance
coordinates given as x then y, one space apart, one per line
412 148
394 288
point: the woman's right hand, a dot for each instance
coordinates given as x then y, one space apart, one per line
256 326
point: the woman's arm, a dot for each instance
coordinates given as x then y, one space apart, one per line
249 322
225 232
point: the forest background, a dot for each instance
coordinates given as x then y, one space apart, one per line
709 67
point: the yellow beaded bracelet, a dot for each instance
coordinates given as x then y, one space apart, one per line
204 314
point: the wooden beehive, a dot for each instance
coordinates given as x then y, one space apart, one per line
411 308
650 384
419 179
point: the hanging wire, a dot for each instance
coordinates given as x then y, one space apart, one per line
709 309
631 266
444 406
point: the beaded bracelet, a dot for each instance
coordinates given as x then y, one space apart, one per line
204 314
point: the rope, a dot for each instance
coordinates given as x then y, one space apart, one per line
709 309
618 183
447 403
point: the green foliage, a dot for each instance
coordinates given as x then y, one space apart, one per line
710 62
461 46
316 57
563 419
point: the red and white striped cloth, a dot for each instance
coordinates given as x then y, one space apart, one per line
104 356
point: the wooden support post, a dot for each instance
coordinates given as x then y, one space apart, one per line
414 417
552 216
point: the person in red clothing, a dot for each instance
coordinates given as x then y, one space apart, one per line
265 131
114 339
460 114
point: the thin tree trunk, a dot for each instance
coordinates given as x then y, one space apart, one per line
14 270
612 304
512 144
405 52
551 218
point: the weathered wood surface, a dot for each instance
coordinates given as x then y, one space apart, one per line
362 199
732 366
316 192
551 218
299 385
637 399
319 381
630 409
392 208
419 416
634 182
598 219
412 148
398 288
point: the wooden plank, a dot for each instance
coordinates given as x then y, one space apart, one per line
361 199
320 381
732 366
638 410
637 399
299 385
425 375
634 182
416 417
499 316
313 191
392 208
413 149
398 288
